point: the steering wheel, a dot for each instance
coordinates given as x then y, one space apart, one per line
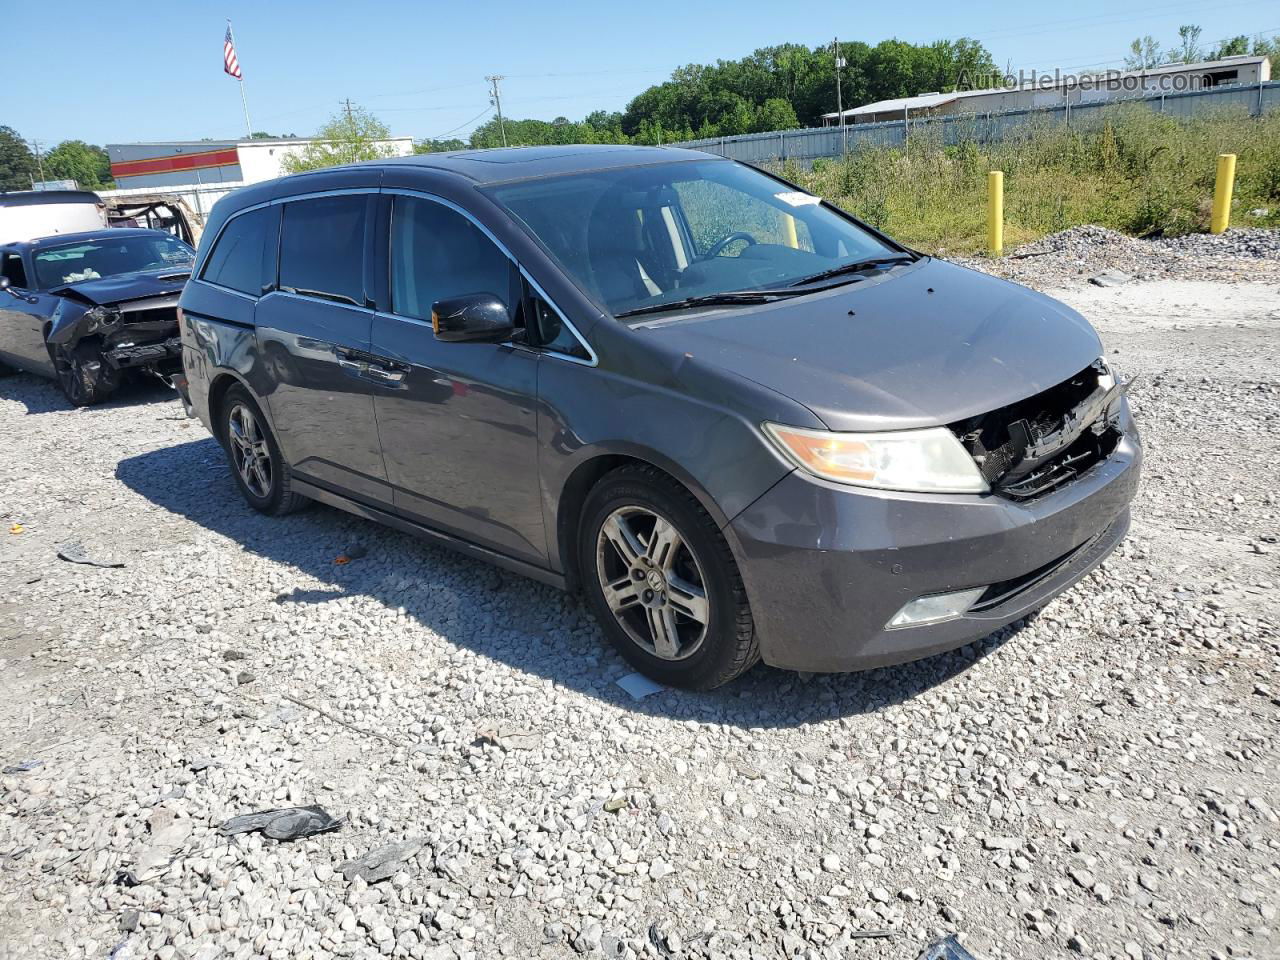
715 249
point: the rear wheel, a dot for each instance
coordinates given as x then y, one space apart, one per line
663 582
260 471
83 373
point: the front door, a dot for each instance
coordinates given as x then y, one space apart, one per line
313 335
458 420
21 321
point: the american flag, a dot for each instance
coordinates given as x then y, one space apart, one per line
230 64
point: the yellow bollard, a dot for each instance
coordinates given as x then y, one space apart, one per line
995 213
1222 193
789 231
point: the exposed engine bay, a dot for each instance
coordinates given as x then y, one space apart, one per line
103 328
1037 445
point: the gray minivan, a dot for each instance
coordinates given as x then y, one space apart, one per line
744 424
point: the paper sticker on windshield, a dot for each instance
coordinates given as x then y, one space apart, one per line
798 198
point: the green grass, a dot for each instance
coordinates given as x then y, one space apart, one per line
1130 169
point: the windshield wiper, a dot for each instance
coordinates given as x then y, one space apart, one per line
856 267
708 299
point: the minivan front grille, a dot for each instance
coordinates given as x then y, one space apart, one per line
1033 447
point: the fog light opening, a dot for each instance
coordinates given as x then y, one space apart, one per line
935 608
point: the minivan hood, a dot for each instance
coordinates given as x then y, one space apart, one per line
126 286
919 346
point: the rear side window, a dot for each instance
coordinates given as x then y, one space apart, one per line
438 253
236 259
322 244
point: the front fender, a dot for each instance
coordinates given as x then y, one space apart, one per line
69 324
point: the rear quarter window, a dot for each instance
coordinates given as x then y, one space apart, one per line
237 258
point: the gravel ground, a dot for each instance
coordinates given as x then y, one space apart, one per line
1080 253
1100 780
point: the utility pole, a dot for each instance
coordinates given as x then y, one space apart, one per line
351 131
495 97
35 146
835 47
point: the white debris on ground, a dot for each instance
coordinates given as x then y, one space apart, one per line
1079 253
1102 780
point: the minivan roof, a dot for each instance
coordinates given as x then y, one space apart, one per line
519 163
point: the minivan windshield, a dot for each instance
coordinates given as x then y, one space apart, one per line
641 237
109 257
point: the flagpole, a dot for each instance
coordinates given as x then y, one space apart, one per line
244 102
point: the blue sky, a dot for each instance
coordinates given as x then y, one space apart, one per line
94 75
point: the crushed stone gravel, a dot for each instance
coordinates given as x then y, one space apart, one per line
1078 253
1102 779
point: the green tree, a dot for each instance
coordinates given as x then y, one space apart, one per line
349 137
438 146
1144 53
17 162
775 114
86 164
1232 47
708 98
1188 49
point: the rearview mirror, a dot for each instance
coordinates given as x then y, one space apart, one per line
473 316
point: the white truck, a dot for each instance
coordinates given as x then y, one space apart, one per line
28 214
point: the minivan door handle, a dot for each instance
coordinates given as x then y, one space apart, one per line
385 372
367 366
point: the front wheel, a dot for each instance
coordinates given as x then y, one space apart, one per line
83 373
663 582
260 470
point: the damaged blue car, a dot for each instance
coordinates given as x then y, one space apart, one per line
87 308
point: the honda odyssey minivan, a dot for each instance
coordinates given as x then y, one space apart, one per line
744 424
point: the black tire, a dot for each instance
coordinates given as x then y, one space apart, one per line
268 490
83 374
722 647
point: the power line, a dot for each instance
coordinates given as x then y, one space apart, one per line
441 136
1104 19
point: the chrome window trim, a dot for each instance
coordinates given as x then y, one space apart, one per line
593 360
325 301
433 198
221 289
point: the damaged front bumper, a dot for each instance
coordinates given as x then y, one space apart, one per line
144 354
137 334
834 573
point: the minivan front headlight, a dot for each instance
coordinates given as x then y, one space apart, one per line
919 461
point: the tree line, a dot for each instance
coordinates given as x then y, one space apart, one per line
1145 52
85 163
774 88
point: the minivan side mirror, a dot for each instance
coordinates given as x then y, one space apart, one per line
480 317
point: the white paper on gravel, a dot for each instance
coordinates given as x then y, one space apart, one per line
639 686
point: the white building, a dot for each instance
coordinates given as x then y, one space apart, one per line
203 171
1033 91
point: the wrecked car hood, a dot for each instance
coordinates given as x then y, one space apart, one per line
126 286
926 344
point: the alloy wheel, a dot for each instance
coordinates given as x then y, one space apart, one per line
72 375
249 453
652 582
